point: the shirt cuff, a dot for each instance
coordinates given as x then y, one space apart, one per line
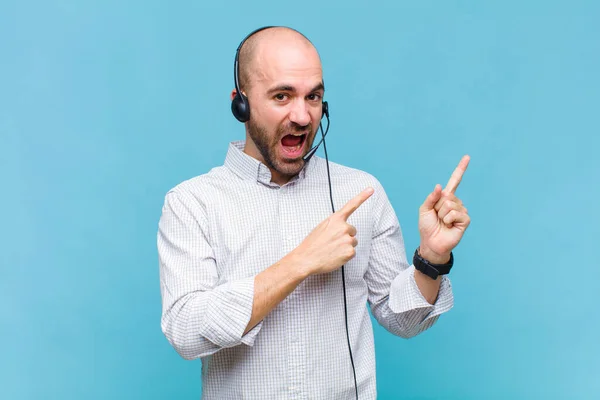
406 296
228 311
249 338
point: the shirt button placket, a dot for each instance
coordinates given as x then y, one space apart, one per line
296 364
286 209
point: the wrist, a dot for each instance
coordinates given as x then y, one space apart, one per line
433 257
430 268
298 266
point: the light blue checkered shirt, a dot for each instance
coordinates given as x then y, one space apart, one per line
218 230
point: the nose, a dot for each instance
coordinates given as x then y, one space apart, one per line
299 112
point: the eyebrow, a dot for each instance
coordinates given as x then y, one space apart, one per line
290 88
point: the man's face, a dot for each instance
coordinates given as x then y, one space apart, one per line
285 96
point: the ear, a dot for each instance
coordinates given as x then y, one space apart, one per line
233 93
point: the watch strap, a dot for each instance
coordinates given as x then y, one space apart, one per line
430 269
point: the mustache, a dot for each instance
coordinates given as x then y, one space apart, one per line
296 128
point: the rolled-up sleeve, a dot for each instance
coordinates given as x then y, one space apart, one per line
200 316
395 299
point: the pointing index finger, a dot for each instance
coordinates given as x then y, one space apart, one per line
353 204
457 175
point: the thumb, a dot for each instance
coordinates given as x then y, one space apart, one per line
432 199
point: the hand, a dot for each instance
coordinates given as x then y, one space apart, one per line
331 244
443 219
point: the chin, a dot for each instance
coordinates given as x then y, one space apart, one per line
291 168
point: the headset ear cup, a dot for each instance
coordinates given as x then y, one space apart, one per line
240 108
325 110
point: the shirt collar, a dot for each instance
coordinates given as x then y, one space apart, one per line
248 167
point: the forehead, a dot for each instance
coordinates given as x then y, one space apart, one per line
294 63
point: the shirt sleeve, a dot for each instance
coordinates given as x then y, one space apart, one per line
395 299
199 315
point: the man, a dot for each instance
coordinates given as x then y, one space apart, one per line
251 255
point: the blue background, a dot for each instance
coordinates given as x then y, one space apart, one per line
104 106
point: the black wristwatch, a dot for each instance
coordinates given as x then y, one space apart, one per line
429 269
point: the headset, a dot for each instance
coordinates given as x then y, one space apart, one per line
240 107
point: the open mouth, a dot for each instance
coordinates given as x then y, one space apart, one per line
293 145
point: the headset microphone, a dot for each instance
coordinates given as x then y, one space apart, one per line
314 149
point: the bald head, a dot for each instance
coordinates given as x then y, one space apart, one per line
261 46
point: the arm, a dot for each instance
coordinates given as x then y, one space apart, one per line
329 246
443 220
273 285
428 287
400 300
200 317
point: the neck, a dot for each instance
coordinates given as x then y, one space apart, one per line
276 177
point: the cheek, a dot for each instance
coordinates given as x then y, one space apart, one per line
272 118
316 119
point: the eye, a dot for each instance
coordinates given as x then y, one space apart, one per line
280 97
314 97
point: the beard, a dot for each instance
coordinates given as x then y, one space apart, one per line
269 146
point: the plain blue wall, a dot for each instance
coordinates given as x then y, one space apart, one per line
106 105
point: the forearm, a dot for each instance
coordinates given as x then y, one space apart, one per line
328 246
273 285
428 287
